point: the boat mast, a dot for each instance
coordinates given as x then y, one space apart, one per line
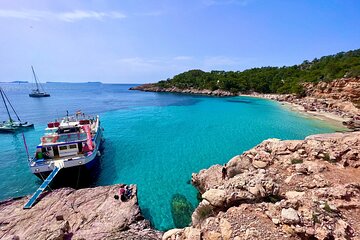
2 95
37 85
12 107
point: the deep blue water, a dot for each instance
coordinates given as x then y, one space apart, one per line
154 140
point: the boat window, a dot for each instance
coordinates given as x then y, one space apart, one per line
72 146
63 147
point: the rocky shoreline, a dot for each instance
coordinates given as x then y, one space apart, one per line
90 213
300 189
325 100
293 189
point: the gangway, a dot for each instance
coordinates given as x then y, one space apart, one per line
42 187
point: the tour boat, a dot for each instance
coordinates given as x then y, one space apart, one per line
37 92
70 144
11 126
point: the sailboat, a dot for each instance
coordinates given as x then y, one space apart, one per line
11 125
37 92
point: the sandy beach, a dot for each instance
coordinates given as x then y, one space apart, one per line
328 117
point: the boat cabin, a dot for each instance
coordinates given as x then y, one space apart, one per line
71 137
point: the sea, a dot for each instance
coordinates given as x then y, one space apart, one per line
154 140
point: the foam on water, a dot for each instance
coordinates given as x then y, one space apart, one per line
153 140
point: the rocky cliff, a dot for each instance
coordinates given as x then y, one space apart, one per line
346 89
304 189
91 213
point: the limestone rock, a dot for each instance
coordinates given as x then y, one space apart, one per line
91 213
226 229
259 164
290 216
215 197
172 233
294 194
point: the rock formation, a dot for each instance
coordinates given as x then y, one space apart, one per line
91 213
302 189
154 88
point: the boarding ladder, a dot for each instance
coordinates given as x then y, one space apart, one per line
58 165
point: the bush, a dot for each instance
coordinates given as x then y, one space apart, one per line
296 161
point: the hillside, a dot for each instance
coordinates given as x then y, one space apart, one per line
286 79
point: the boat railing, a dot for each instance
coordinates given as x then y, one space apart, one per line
68 137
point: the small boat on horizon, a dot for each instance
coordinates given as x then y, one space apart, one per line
37 92
11 126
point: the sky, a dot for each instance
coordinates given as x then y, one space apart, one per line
140 41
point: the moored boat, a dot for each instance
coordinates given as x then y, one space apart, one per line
72 145
11 126
37 93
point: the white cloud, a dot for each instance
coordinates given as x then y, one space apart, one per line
70 16
80 15
24 14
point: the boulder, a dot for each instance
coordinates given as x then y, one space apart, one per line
289 216
216 197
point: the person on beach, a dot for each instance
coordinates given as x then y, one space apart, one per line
224 172
122 193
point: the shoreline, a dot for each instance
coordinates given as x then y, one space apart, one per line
335 112
328 117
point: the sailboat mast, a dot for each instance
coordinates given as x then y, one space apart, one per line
12 106
2 95
37 85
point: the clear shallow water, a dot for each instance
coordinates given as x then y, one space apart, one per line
153 140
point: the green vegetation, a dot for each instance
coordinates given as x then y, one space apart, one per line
204 211
271 79
327 208
296 161
315 218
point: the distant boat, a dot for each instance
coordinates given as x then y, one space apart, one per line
11 125
37 92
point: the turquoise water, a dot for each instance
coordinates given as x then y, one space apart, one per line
154 140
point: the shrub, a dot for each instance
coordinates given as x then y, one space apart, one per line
296 161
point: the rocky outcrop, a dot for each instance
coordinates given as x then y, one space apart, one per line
153 88
91 213
346 89
302 189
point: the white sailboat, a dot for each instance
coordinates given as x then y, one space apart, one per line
37 92
10 125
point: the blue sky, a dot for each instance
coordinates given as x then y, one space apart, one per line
133 41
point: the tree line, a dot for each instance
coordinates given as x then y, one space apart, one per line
286 79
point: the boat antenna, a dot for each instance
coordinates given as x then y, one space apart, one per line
12 107
2 95
26 147
37 85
